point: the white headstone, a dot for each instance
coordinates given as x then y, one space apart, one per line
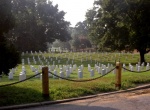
80 74
62 74
139 68
99 70
55 72
67 73
147 67
92 73
36 72
22 76
10 76
70 70
103 71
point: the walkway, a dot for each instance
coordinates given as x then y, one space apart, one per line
135 100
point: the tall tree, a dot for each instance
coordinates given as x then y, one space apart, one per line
122 23
80 35
91 23
38 22
9 57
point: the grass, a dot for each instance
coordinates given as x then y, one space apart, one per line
31 91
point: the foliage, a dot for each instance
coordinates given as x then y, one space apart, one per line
82 28
62 45
118 24
6 19
9 57
38 22
80 36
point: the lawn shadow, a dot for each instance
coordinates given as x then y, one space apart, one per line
13 95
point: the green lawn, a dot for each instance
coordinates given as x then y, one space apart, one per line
31 90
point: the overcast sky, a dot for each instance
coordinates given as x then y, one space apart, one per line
75 9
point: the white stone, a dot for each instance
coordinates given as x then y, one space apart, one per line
53 67
55 72
136 66
67 73
40 67
107 69
147 67
80 74
36 72
82 67
60 66
92 73
70 69
74 68
40 76
131 68
49 74
139 68
10 76
108 65
99 70
22 76
32 68
13 70
103 71
22 60
35 62
53 62
23 69
89 68
56 67
124 67
64 68
62 74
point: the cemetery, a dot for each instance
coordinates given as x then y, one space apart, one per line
43 57
75 66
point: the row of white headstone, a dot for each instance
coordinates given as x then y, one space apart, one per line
84 57
56 60
137 67
68 69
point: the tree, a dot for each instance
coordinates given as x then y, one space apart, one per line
79 35
38 22
82 28
123 23
76 43
91 23
9 57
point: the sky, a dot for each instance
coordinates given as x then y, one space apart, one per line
75 9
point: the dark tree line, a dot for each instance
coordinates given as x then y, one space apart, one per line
9 56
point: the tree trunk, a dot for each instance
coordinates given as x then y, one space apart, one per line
142 58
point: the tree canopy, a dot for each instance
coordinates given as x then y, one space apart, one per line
79 36
118 24
37 22
9 57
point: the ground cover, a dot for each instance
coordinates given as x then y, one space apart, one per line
31 90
